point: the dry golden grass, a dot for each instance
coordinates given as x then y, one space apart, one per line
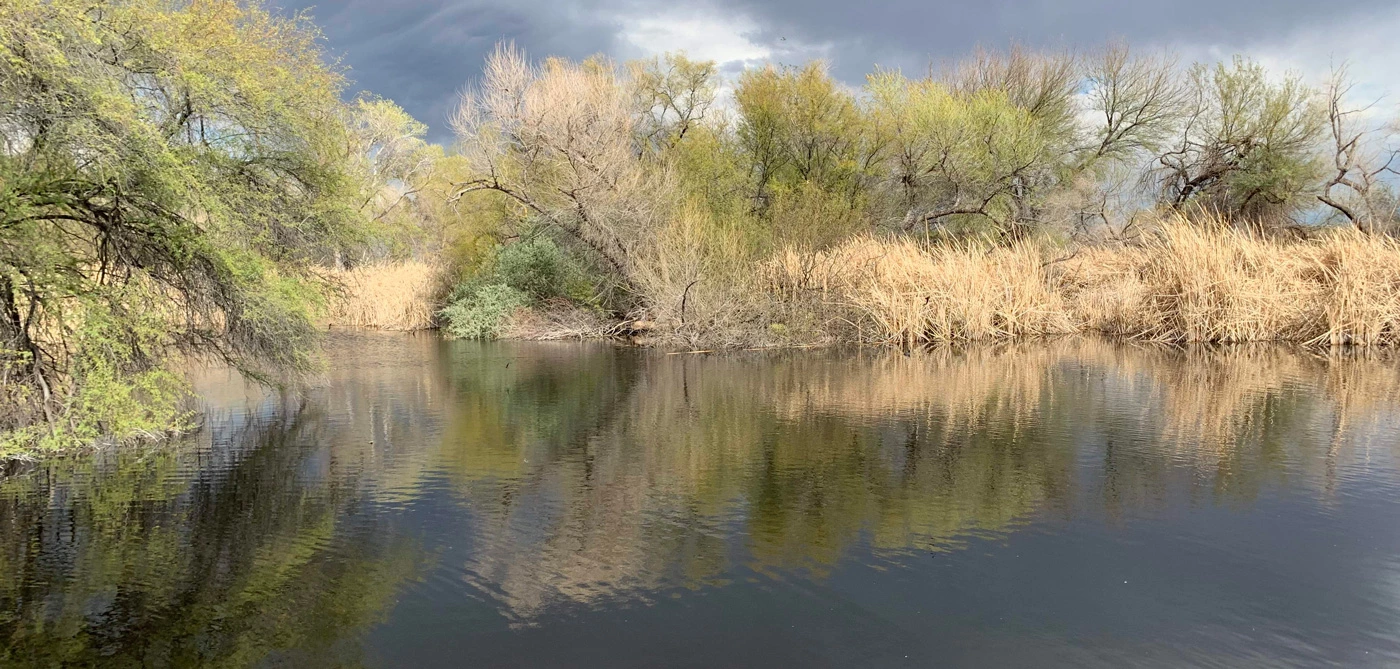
1213 284
907 293
1198 285
388 296
1190 283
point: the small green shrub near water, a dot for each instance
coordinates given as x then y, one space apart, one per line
482 312
522 274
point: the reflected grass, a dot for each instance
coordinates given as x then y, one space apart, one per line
587 475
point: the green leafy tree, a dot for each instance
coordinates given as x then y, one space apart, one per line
170 171
1249 147
957 157
798 125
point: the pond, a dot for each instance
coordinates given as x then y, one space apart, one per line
1070 503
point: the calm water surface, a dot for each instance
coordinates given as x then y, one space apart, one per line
438 503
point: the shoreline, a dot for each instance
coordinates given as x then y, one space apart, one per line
1187 284
18 463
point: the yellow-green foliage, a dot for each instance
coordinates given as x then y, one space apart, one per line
171 172
957 158
799 125
674 95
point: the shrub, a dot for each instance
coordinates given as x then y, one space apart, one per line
536 267
481 310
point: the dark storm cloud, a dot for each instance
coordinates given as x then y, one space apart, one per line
421 52
907 33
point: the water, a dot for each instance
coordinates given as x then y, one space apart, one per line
438 503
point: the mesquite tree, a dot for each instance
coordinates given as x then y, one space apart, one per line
167 173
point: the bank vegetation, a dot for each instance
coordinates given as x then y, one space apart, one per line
1010 194
186 182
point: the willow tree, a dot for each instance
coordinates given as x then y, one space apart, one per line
798 125
167 171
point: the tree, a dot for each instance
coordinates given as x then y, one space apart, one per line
1362 157
1248 146
169 172
1044 86
399 174
558 141
760 96
1139 102
951 156
674 94
799 125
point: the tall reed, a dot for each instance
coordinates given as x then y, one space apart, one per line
904 292
1216 284
389 296
1190 282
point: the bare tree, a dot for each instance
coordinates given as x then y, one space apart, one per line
557 139
673 94
1359 157
1141 100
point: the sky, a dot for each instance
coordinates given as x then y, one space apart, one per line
422 53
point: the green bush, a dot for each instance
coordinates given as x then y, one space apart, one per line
536 267
480 311
520 275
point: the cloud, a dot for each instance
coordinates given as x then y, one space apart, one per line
941 29
421 52
701 36
1365 43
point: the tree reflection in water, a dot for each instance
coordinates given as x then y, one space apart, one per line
582 474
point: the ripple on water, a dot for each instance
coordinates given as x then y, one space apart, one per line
1069 503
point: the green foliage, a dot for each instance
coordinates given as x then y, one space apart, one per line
958 157
536 267
479 311
799 125
1251 147
521 274
1044 85
170 173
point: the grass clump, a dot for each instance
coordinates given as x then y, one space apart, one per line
388 296
904 292
1190 282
